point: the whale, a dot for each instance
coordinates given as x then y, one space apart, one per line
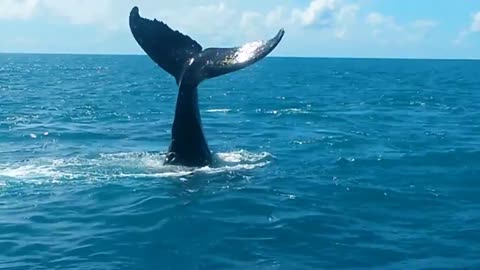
190 64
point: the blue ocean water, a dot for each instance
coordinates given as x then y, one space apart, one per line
321 164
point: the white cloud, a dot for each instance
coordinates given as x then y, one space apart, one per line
461 37
379 20
376 18
216 14
249 17
345 19
82 12
321 25
420 29
387 30
424 24
334 18
274 18
217 23
383 28
465 33
249 23
215 20
475 27
17 9
318 12
79 12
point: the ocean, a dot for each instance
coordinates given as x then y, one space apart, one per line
320 164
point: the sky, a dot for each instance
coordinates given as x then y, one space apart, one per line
314 28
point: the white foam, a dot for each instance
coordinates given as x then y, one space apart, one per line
291 111
187 172
34 173
295 111
156 175
242 156
285 111
132 159
219 110
124 165
28 171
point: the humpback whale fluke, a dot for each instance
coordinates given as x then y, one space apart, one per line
184 59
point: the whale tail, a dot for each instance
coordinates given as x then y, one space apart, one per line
174 51
185 59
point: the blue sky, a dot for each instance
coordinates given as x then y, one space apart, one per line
321 28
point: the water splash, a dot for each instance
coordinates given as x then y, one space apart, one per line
108 166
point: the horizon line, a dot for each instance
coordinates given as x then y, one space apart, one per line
270 56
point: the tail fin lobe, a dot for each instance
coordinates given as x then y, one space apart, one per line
225 60
176 52
168 48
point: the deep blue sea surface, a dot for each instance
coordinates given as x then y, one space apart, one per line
321 164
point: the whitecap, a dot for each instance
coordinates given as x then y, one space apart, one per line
219 110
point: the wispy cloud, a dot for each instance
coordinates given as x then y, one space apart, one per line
217 21
467 32
331 17
79 12
383 26
387 30
17 9
318 12
345 19
314 27
208 19
222 22
475 27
